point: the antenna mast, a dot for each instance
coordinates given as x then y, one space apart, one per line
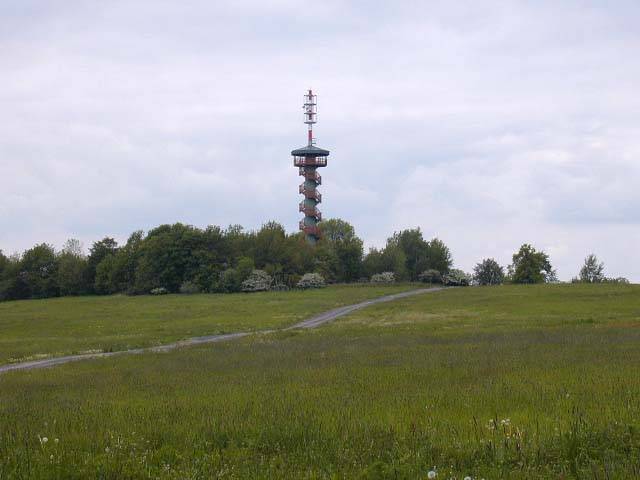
310 113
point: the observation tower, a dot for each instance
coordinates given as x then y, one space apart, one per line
308 159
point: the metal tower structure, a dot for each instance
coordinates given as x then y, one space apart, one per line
308 159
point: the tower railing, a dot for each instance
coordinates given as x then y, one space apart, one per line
315 176
309 161
309 193
310 211
309 229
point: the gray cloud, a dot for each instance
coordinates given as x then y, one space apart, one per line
488 125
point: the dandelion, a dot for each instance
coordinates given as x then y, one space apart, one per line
107 450
44 440
50 457
56 440
432 474
468 478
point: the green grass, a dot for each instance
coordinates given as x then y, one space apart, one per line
42 328
388 392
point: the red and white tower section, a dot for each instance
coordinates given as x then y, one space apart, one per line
308 159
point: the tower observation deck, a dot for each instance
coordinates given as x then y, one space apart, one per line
308 159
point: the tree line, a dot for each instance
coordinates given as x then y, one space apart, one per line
178 257
532 266
213 259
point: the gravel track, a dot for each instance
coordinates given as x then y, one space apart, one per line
312 322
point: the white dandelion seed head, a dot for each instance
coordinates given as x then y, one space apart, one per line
432 474
44 440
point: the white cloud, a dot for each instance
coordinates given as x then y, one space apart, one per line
488 125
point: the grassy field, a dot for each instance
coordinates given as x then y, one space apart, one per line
42 328
504 382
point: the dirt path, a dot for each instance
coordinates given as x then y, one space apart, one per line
312 322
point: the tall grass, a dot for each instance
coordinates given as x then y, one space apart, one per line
490 383
53 327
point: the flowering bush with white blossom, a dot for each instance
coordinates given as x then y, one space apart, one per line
258 281
311 280
384 277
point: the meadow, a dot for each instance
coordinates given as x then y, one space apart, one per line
513 382
32 329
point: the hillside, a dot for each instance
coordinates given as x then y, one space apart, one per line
53 327
502 382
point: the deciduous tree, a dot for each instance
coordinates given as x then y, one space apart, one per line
72 265
531 266
488 272
592 271
98 251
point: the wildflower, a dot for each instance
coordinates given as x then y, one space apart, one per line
56 440
432 474
50 457
107 449
468 478
44 440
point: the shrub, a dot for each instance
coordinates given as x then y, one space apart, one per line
189 288
456 278
292 280
384 277
430 276
258 281
229 281
245 267
619 280
159 291
311 280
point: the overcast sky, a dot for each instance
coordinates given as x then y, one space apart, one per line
487 124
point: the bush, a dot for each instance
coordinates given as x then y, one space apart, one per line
456 278
384 277
159 291
292 280
258 281
229 281
430 276
189 288
311 280
619 280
